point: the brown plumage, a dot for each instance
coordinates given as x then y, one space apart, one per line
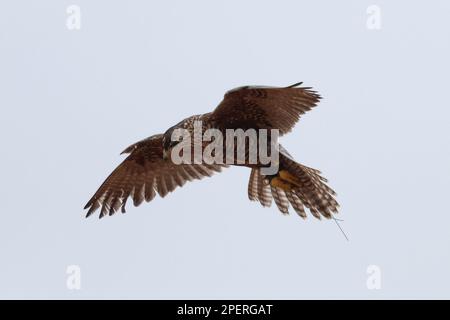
146 172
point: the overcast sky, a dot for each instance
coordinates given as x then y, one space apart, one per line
72 99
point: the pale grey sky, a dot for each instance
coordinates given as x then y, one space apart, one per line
72 100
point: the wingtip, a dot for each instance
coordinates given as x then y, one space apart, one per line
129 149
295 85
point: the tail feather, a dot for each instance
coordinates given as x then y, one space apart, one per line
295 185
296 203
253 185
258 190
281 200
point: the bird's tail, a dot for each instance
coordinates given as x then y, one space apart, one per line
296 185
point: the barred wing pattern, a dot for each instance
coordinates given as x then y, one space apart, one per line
143 174
264 107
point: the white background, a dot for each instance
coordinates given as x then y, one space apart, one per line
72 100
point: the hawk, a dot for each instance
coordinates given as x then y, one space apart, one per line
149 169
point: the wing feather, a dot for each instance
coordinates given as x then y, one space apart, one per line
143 174
264 107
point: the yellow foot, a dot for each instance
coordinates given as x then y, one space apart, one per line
280 183
288 177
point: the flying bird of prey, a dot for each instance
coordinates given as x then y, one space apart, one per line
148 170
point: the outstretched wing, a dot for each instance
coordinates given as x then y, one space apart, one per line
264 107
143 174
